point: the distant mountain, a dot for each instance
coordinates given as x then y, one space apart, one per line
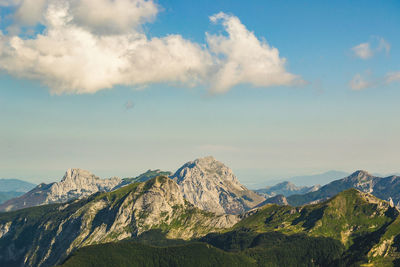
47 235
212 186
75 184
15 185
4 196
318 179
286 189
384 188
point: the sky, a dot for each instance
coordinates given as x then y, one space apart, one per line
271 88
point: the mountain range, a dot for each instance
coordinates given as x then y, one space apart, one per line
76 183
206 183
387 188
202 216
351 229
45 235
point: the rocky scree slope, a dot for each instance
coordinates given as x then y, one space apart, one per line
75 184
46 235
212 186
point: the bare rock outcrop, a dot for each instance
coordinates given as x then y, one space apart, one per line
212 186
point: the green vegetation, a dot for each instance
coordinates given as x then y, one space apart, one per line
350 229
241 249
277 249
135 254
148 175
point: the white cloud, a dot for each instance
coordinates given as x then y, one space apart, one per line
369 49
245 59
102 16
90 45
363 51
392 77
359 83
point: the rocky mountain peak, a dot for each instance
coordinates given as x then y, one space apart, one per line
211 185
360 174
76 174
286 185
206 168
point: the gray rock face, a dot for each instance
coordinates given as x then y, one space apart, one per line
212 186
75 184
56 231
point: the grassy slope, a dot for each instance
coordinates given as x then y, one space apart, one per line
148 175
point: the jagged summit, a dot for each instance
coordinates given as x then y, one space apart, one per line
76 174
207 167
76 183
212 186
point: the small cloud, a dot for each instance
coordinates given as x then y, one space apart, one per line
359 83
383 45
392 77
369 49
363 51
129 105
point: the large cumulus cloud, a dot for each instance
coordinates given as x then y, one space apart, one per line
90 45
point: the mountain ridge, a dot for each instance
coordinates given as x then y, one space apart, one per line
383 188
76 183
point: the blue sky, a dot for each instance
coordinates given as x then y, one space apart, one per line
262 131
